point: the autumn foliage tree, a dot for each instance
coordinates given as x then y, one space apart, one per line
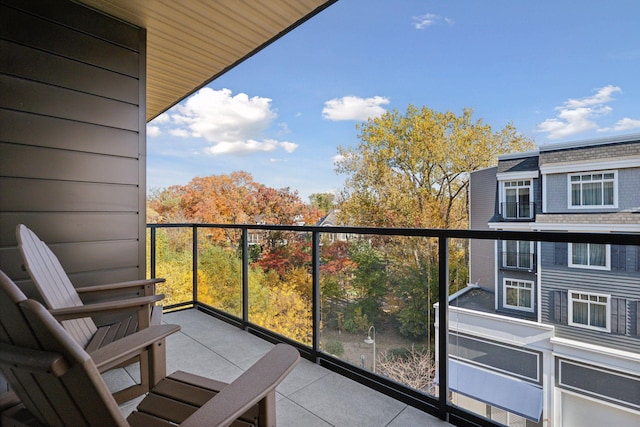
229 199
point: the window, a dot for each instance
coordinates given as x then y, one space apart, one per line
517 254
590 255
518 294
517 200
593 189
589 310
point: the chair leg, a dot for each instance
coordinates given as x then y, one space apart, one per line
157 363
267 411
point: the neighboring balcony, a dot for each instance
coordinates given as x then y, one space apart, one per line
513 211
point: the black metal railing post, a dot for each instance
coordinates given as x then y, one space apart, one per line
152 252
245 276
443 330
315 286
194 261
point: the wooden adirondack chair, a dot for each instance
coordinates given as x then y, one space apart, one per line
59 384
64 302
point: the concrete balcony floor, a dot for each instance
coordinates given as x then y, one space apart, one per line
310 396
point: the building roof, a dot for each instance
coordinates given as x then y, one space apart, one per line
190 43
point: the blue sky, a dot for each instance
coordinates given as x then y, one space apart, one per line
558 70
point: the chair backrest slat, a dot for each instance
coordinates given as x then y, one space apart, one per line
72 395
53 282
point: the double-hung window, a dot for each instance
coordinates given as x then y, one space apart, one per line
592 189
594 256
518 294
589 310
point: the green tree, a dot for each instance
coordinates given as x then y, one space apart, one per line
369 279
323 201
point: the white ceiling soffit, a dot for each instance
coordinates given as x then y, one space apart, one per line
191 42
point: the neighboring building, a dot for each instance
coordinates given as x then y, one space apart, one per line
331 220
549 333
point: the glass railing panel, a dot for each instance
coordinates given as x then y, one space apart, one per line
280 284
376 294
174 262
495 366
220 269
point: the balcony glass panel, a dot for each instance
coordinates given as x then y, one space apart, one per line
280 289
220 269
174 261
377 294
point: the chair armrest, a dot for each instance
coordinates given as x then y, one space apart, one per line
115 306
120 285
248 389
125 348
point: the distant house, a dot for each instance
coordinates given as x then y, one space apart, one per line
556 325
331 220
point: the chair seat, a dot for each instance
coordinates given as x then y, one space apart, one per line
178 396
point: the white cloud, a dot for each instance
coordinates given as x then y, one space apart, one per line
578 115
153 131
249 146
182 133
429 19
338 158
162 118
627 124
354 108
233 124
603 96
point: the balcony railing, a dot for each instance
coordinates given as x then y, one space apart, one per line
351 303
517 210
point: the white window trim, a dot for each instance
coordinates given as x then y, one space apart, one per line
516 307
504 255
503 192
592 207
607 317
606 267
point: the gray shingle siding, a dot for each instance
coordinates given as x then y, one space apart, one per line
557 189
630 148
518 165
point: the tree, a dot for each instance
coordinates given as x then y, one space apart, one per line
415 368
322 201
412 170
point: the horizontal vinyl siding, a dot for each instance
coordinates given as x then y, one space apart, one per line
39 98
54 132
72 139
66 40
617 285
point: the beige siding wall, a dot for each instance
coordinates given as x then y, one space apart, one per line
72 139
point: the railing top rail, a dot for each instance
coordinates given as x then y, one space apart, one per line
543 236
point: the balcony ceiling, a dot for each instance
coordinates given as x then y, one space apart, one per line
190 43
